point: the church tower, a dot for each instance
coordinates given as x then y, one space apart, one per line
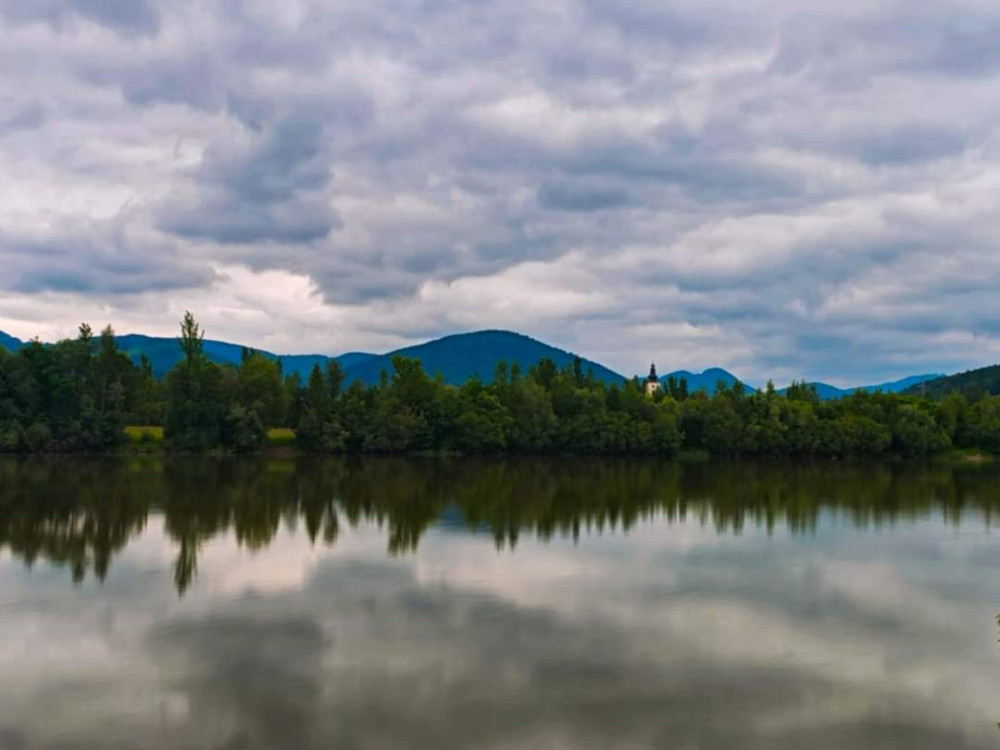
652 382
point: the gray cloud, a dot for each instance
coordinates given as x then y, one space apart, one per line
269 192
129 17
101 259
27 116
909 145
576 197
761 175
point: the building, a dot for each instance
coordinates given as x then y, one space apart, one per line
652 382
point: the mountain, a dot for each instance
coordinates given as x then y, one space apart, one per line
703 381
351 359
164 353
460 356
9 342
708 379
456 357
984 379
898 386
827 391
463 355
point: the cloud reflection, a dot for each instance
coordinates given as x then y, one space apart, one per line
768 633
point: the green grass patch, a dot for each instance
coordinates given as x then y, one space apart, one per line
144 434
149 435
281 436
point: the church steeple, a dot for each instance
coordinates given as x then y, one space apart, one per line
653 381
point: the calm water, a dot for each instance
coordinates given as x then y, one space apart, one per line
192 603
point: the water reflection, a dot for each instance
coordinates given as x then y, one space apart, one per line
749 605
81 512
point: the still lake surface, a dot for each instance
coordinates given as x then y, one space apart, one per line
387 603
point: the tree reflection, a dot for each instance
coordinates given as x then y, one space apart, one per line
79 512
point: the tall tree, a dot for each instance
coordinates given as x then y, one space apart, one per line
192 338
195 396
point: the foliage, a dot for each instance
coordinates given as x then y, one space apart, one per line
972 384
75 395
80 393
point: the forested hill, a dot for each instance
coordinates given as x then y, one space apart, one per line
164 353
9 342
457 358
80 394
707 380
464 355
827 391
981 380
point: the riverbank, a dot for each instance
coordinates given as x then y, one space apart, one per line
281 441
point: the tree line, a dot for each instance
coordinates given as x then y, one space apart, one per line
79 394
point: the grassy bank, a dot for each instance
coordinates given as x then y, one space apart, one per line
151 436
149 439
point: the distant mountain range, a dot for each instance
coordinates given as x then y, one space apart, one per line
827 391
457 358
709 379
9 342
983 379
461 356
164 352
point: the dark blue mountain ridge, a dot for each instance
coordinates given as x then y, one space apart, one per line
463 355
827 391
898 386
457 357
350 359
706 380
9 342
979 380
164 353
709 379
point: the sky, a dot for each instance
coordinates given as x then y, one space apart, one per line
782 189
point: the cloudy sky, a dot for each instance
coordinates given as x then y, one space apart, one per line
777 188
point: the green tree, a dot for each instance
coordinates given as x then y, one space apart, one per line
259 388
320 428
192 339
196 399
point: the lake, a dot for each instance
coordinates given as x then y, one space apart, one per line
431 603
